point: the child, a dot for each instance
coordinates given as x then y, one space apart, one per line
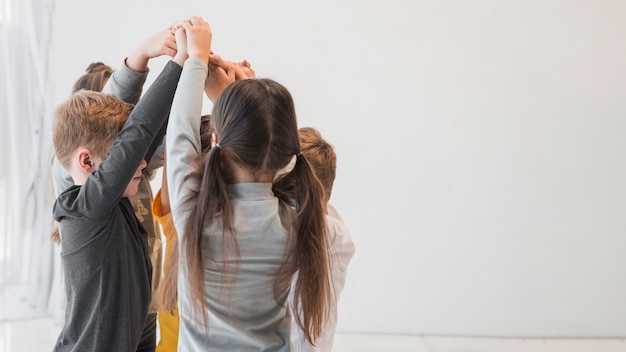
168 314
126 84
240 240
104 247
96 76
322 158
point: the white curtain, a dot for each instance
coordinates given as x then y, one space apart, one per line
27 254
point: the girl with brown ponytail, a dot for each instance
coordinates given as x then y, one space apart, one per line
242 234
95 78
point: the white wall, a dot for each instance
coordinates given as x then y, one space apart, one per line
480 145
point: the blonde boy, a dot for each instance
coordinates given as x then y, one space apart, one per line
104 249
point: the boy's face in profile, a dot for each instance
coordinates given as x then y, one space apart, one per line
133 185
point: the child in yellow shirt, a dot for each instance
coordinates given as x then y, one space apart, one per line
169 320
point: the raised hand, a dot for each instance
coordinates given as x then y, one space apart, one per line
243 70
181 45
222 73
199 38
161 43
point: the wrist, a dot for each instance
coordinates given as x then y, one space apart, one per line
202 55
180 59
137 61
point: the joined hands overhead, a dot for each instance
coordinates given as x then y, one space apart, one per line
193 38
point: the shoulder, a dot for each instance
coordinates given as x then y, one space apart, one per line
339 237
66 201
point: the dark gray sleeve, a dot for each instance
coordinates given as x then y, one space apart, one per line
105 187
155 162
126 84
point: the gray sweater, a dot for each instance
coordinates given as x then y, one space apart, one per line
104 251
126 84
249 317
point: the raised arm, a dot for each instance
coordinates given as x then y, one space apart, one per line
127 82
222 73
106 185
183 133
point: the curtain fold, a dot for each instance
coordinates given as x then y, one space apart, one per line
27 254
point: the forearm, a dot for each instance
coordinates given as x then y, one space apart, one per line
126 83
133 142
183 132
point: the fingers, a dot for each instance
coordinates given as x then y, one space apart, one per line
186 24
199 37
230 71
218 61
196 20
247 69
238 71
180 37
181 46
243 70
169 46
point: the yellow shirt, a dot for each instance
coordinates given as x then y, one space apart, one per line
168 322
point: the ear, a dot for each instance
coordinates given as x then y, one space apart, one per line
86 161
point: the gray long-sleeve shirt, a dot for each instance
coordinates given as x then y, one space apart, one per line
249 317
104 251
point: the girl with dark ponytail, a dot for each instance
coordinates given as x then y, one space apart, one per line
242 234
96 76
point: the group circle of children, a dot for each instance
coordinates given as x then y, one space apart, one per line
255 256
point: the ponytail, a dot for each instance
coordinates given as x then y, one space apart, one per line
208 204
312 289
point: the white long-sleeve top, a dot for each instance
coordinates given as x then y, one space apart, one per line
341 252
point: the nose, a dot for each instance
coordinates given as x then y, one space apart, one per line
143 165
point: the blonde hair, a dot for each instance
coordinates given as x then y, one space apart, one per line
320 155
87 119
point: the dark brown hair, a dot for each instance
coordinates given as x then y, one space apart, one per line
256 124
95 77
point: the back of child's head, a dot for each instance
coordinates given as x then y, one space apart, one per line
94 79
321 155
255 123
87 119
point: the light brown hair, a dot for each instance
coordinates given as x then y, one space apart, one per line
321 156
87 119
94 79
